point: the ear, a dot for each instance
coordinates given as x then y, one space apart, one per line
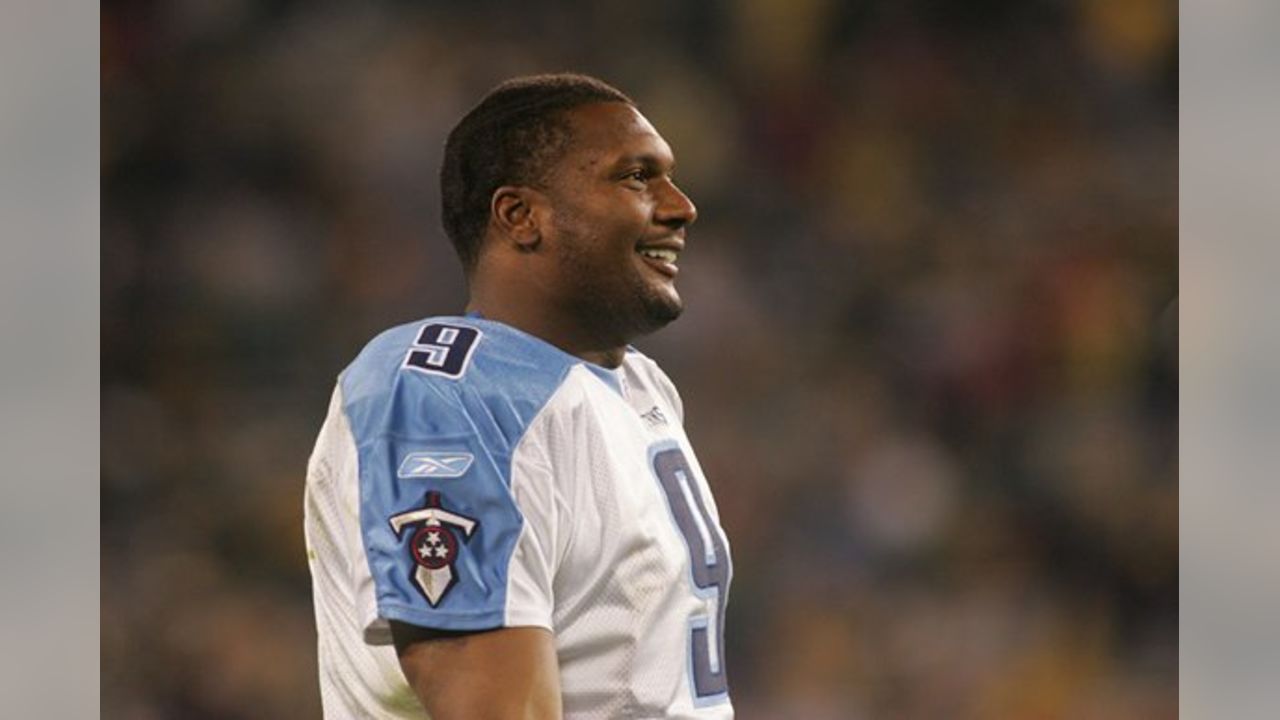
515 212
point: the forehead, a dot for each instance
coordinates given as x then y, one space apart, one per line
607 132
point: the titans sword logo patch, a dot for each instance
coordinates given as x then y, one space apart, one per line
433 546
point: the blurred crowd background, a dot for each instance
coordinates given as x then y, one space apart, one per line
928 358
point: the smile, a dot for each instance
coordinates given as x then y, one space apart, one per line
660 254
661 259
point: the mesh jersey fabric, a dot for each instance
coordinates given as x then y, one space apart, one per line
470 476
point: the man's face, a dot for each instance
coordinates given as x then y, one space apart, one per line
617 223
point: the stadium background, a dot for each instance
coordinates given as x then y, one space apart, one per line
928 361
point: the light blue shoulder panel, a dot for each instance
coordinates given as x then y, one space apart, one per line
437 408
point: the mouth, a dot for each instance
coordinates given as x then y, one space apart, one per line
662 256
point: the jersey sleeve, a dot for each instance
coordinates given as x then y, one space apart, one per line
449 544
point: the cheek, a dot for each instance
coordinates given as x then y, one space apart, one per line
629 223
616 221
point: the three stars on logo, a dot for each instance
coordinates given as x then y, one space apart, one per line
434 547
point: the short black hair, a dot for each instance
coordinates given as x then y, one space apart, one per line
514 136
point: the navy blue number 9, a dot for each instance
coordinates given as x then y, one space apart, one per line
709 562
442 349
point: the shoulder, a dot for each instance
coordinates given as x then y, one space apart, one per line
439 375
645 365
650 373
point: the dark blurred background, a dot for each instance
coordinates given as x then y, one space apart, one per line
928 360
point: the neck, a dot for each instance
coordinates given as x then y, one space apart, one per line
539 319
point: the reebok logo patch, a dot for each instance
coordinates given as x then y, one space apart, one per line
435 464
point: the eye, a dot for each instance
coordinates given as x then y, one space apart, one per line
638 175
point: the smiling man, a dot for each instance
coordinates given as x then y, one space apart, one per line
504 516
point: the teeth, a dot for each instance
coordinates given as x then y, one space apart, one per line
659 254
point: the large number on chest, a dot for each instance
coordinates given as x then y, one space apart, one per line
710 569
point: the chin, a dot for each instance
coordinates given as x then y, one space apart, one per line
618 317
661 310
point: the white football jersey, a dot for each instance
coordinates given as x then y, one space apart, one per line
470 476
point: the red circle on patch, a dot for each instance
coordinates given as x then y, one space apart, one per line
433 547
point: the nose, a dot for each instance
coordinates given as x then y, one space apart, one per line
675 209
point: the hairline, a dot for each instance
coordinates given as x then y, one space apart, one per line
530 120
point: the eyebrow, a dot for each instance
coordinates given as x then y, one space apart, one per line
648 160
